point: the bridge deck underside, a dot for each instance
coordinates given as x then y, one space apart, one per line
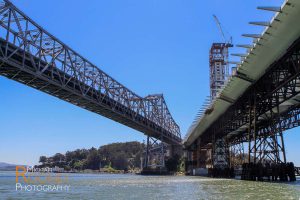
19 68
272 103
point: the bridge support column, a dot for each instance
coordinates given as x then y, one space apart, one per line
191 160
201 158
154 157
220 159
270 148
267 143
266 153
198 159
220 154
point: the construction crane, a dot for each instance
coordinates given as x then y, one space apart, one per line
218 63
229 42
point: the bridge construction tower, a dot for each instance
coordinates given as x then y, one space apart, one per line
219 74
218 67
215 154
218 62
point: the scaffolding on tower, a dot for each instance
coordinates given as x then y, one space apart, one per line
218 66
218 63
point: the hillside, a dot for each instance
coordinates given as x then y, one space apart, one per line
119 156
7 167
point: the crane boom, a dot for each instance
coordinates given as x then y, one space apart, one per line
229 42
220 27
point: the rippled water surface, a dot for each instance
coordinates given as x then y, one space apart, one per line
99 186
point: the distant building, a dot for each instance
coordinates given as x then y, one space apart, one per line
57 169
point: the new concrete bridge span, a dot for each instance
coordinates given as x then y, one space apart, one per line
246 120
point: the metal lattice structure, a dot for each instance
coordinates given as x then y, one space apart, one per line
220 153
154 155
32 56
218 66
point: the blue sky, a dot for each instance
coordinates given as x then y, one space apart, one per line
150 46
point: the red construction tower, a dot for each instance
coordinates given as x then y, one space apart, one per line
218 67
218 63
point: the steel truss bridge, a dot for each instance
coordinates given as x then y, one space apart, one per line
259 102
34 57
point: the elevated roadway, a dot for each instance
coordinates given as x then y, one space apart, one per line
268 76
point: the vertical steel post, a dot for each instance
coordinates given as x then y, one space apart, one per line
274 137
254 128
231 154
281 135
213 150
162 153
249 134
147 152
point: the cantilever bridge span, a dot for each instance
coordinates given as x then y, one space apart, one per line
34 57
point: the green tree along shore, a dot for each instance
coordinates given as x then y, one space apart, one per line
112 157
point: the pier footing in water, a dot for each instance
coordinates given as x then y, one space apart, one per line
273 172
155 171
221 172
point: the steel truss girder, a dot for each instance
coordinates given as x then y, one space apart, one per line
32 56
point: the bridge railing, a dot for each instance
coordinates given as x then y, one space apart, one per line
18 29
